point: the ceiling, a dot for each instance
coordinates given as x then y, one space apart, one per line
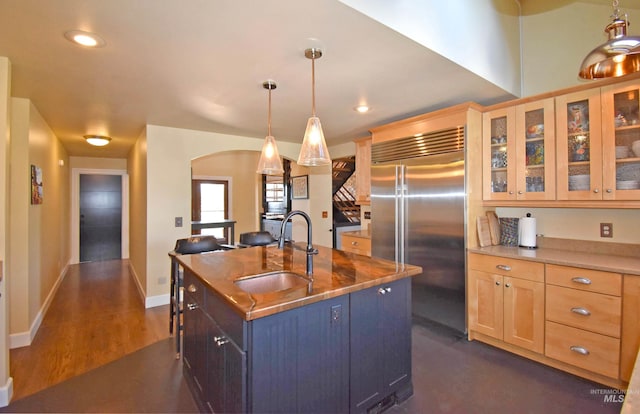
200 64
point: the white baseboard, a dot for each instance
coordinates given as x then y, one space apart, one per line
18 340
159 300
152 301
6 392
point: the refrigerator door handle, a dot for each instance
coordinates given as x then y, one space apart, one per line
401 186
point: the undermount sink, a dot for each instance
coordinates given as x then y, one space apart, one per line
272 282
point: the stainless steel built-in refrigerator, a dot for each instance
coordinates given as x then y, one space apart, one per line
418 217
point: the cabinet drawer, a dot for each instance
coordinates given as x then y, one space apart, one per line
585 310
522 269
585 279
587 350
359 245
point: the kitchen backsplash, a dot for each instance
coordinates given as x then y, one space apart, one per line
581 224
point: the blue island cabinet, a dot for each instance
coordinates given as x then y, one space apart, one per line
345 354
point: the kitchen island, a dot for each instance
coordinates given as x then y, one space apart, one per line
341 343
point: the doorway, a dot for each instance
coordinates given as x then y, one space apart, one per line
99 215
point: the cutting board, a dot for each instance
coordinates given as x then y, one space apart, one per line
494 227
484 234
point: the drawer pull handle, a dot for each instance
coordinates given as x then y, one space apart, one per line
382 291
354 243
192 288
503 267
581 280
580 350
581 311
192 306
220 340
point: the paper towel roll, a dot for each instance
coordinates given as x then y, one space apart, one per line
527 232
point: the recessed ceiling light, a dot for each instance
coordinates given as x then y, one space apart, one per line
86 39
362 108
97 140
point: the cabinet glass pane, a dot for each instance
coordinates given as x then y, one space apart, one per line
499 155
627 127
578 146
534 140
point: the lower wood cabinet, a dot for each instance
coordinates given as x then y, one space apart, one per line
506 300
580 320
345 354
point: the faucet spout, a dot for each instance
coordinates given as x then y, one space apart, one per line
310 250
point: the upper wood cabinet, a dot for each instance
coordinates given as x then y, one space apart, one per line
519 152
579 149
363 170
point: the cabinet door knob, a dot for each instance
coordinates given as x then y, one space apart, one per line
192 288
387 289
192 306
520 192
595 190
382 291
354 243
510 192
497 283
581 311
579 349
609 190
220 340
581 280
508 285
503 267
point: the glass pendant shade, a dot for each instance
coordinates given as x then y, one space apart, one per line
270 162
314 150
619 56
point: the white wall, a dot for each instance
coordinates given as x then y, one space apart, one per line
482 36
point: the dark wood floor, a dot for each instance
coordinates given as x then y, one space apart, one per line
97 316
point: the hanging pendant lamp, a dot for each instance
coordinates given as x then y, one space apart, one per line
618 57
314 150
270 162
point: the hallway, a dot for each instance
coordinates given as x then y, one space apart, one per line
97 316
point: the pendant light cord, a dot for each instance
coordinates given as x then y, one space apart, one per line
313 86
269 115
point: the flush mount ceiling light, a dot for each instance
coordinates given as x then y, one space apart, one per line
86 39
270 162
97 140
617 57
362 109
314 150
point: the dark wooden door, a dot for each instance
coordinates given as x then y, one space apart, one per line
100 217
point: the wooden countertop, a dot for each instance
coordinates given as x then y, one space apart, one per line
588 260
335 273
365 234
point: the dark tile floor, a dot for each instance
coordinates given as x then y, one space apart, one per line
450 375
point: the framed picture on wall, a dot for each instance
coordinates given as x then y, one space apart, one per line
300 187
36 185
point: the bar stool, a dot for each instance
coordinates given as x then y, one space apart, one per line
256 238
191 245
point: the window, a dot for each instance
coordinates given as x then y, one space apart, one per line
210 203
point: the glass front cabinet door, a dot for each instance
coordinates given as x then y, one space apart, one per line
621 141
535 151
579 146
499 161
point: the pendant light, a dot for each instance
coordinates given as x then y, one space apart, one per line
314 150
270 162
618 57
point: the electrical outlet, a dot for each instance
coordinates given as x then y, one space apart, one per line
336 313
178 221
606 229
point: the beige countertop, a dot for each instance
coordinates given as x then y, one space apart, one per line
335 273
365 234
589 260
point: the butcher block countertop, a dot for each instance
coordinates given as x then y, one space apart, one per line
335 273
